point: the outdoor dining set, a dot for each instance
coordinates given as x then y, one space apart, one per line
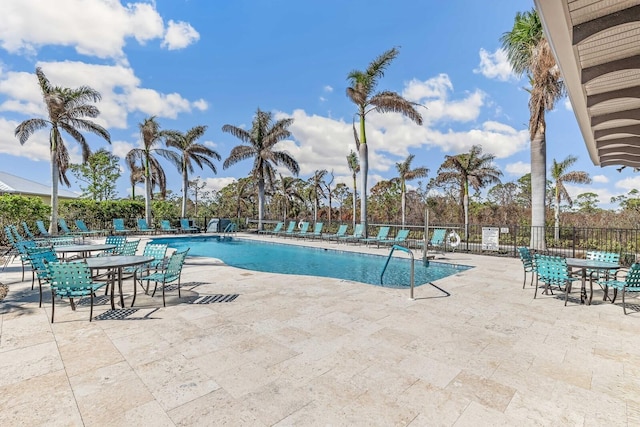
74 269
599 268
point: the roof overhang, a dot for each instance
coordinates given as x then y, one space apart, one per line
597 46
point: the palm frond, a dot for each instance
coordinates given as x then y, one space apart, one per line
387 102
28 127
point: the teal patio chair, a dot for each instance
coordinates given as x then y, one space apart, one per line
400 238
143 226
171 273
275 230
383 232
119 227
118 241
303 232
528 264
288 231
165 226
342 231
185 226
39 257
27 231
602 275
317 231
358 233
156 250
630 284
85 230
42 229
553 271
71 280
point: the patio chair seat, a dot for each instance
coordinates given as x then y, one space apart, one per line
165 226
171 273
630 284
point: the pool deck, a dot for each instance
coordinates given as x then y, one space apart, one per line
296 350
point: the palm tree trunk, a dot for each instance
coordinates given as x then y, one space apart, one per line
147 198
538 188
53 222
355 200
260 202
404 204
185 186
556 217
465 203
364 169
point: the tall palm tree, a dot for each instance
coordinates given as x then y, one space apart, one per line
289 190
361 92
405 173
260 142
529 53
354 167
317 191
468 169
561 174
151 136
190 152
67 110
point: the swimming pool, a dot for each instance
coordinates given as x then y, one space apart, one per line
304 260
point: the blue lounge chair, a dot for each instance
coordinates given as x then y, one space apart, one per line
27 232
42 229
400 238
65 228
165 226
186 227
118 226
289 230
317 231
358 233
143 226
303 232
275 230
383 232
342 231
85 230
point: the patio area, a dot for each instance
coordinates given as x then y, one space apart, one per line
265 349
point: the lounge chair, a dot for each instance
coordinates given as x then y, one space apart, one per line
358 233
27 232
118 226
275 230
303 232
42 229
143 226
186 227
342 231
400 238
317 231
383 232
84 229
165 226
288 231
65 228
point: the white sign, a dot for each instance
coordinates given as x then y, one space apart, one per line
490 238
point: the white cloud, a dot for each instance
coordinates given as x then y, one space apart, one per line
600 179
628 184
495 65
328 89
567 104
518 168
120 89
604 195
323 99
179 35
93 27
121 148
36 148
216 184
201 104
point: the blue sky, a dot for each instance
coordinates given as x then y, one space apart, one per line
204 62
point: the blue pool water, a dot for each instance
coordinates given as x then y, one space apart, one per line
290 259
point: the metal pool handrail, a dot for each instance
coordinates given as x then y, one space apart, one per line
402 248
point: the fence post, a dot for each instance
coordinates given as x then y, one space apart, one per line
574 243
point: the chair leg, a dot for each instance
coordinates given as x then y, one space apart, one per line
624 307
179 296
40 288
135 288
524 281
91 309
53 303
164 303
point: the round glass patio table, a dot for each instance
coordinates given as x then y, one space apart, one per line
117 263
589 264
83 250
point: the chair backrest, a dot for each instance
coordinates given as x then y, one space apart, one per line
184 223
383 232
70 275
28 232
15 232
9 234
63 225
119 241
317 229
41 228
23 245
525 256
39 257
278 227
82 226
552 269
342 230
156 250
165 225
304 228
437 238
633 276
402 235
292 225
358 231
174 265
118 224
142 224
130 247
603 256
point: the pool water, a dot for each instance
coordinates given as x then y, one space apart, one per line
303 260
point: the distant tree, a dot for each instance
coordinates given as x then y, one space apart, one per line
405 173
197 188
190 152
341 193
587 202
67 110
561 174
529 53
316 182
329 192
99 173
354 167
468 169
361 93
260 141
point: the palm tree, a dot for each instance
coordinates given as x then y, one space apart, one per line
468 169
317 191
260 141
405 173
561 175
354 167
190 151
67 110
289 189
151 135
361 93
529 53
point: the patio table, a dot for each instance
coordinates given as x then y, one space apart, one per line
589 264
83 250
117 263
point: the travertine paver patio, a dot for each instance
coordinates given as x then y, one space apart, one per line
295 350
